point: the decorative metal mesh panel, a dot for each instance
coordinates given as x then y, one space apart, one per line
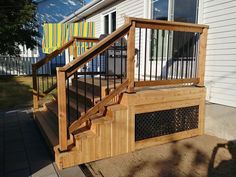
154 124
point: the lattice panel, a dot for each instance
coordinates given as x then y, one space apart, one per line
154 124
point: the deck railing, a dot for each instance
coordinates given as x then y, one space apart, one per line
44 71
156 53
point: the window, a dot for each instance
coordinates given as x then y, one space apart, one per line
109 22
171 10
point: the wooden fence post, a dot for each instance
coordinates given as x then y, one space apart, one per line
202 57
62 109
35 88
130 57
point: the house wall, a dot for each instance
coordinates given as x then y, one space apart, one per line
220 80
123 8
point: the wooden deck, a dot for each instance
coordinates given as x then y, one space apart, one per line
92 119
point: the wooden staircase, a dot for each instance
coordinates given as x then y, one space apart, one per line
94 114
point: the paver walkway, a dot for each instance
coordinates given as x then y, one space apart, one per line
23 152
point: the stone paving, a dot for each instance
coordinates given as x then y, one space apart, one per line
23 152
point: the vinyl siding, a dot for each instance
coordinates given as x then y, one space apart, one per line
123 8
220 79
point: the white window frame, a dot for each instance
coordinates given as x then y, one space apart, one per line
109 19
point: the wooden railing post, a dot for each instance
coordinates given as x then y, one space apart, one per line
202 57
35 88
130 57
62 109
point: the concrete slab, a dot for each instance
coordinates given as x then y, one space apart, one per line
186 158
221 121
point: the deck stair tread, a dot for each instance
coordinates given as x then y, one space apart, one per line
48 127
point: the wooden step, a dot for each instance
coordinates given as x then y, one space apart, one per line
48 127
53 108
80 95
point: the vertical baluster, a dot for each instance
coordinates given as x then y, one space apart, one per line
114 60
196 54
178 55
107 70
188 53
139 53
100 79
183 55
157 45
68 101
93 79
192 58
162 52
42 70
167 57
173 55
150 59
77 94
85 87
121 60
145 54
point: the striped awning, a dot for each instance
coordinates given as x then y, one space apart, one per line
57 34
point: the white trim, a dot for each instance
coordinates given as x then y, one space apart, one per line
109 13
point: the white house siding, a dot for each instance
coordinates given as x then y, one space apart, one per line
123 8
220 15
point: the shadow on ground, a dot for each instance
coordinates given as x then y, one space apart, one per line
23 152
186 160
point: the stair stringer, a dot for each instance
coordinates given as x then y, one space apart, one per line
107 137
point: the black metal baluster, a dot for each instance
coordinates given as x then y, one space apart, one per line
151 51
68 101
77 94
162 52
188 53
114 60
139 53
42 77
157 44
85 88
167 57
145 53
183 55
192 59
100 79
178 55
93 79
107 69
173 55
196 54
121 60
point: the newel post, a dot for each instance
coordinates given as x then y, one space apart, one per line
130 57
202 57
62 109
35 88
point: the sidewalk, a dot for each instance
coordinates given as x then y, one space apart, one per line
23 152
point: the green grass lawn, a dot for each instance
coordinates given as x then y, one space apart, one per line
16 91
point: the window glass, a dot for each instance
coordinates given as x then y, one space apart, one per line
185 11
160 9
106 24
113 21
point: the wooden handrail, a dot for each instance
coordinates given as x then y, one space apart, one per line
86 39
101 46
75 125
167 25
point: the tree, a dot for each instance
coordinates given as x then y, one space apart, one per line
18 26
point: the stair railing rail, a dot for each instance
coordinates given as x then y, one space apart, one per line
44 71
158 53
